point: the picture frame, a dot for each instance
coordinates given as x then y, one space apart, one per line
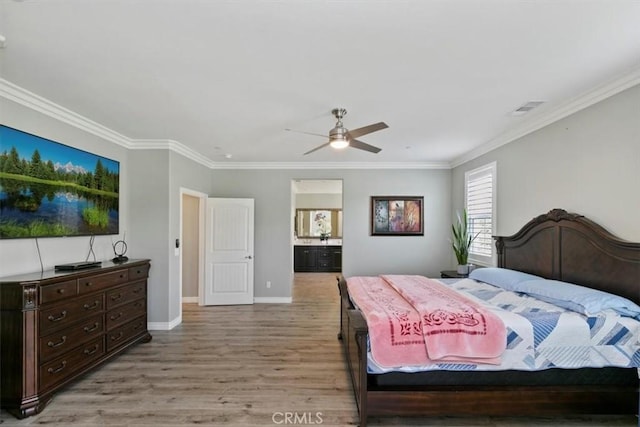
397 215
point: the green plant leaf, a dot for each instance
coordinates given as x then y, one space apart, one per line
462 239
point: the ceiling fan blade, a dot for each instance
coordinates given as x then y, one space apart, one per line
356 133
364 146
317 148
306 133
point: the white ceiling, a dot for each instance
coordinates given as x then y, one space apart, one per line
228 77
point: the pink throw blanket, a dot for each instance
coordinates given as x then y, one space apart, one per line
454 327
428 322
393 323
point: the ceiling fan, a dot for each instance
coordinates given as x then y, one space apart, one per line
340 137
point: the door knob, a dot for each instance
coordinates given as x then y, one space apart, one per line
248 257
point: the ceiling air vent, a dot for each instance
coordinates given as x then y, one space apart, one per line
524 109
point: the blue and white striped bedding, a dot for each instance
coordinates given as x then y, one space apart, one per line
541 335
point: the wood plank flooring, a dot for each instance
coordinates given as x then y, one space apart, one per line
258 365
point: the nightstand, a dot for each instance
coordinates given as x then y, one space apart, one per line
452 274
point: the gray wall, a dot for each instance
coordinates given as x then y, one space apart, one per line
21 255
183 174
588 163
271 190
362 253
318 200
366 254
149 234
156 181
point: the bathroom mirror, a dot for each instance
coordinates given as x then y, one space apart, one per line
316 222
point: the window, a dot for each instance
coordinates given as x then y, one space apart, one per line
480 196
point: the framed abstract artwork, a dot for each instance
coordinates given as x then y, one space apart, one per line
397 216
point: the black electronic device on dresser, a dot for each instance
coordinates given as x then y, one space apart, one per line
57 325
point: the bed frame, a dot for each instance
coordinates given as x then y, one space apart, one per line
557 245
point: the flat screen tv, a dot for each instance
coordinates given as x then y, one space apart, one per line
48 189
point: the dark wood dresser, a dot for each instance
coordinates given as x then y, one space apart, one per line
56 326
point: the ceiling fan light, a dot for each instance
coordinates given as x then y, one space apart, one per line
339 143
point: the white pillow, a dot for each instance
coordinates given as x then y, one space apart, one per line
501 277
578 298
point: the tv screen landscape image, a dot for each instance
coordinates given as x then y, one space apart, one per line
48 189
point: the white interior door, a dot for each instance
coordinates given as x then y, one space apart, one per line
229 251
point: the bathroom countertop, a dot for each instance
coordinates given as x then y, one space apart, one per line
316 242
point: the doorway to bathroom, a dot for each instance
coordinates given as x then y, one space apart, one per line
317 225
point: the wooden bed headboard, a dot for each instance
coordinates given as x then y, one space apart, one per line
569 247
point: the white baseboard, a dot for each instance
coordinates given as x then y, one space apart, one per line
190 300
164 326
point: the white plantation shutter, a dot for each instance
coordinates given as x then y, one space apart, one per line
480 205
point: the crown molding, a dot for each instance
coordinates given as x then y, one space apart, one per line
565 109
175 146
42 105
330 165
35 102
28 99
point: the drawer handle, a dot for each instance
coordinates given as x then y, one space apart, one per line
138 271
117 337
88 284
91 329
115 316
56 370
122 276
57 319
93 306
138 304
90 351
116 297
53 344
137 290
61 291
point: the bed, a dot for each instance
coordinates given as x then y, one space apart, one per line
559 246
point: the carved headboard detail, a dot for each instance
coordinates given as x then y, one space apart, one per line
569 247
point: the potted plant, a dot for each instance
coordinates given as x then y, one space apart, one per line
461 242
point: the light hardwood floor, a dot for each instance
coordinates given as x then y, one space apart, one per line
258 365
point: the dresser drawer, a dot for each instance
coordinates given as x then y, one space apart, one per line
53 328
124 333
63 315
57 291
125 313
140 272
102 281
126 294
70 363
60 342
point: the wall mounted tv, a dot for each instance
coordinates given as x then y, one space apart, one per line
48 189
